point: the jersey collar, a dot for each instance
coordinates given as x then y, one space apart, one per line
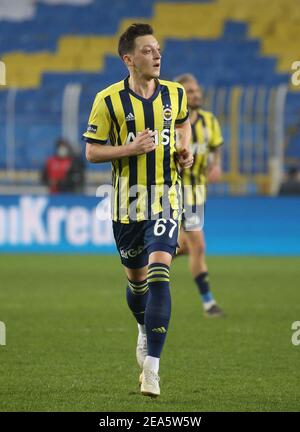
141 98
199 116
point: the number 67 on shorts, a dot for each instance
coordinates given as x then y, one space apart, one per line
137 240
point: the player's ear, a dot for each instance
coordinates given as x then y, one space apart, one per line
128 60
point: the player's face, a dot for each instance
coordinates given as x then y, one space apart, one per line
146 58
194 94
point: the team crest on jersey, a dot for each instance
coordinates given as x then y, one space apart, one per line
167 114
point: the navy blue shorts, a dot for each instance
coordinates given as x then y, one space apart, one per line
137 240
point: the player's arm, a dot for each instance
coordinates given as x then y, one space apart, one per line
184 133
142 144
214 165
214 169
97 134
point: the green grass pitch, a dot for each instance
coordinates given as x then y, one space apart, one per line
71 339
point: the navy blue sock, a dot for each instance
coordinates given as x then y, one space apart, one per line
158 309
137 295
202 281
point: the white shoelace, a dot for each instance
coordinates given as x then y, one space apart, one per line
151 377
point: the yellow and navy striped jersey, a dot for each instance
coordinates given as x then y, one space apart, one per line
206 137
118 115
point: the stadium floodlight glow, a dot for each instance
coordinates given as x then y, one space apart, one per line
2 73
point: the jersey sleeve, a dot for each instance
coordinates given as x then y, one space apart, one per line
216 136
182 106
99 123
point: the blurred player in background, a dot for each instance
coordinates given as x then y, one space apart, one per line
206 142
138 116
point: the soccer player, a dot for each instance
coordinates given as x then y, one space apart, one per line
206 142
132 124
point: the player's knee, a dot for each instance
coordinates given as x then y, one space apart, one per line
160 257
136 275
198 250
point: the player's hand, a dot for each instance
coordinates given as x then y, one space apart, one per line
214 173
185 158
143 143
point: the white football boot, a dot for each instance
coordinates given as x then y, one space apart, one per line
150 383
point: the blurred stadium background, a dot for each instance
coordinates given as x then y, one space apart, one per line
58 54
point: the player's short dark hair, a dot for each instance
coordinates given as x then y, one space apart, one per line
126 41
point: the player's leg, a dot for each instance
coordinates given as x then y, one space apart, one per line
158 309
198 267
134 257
157 317
137 294
161 239
196 249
